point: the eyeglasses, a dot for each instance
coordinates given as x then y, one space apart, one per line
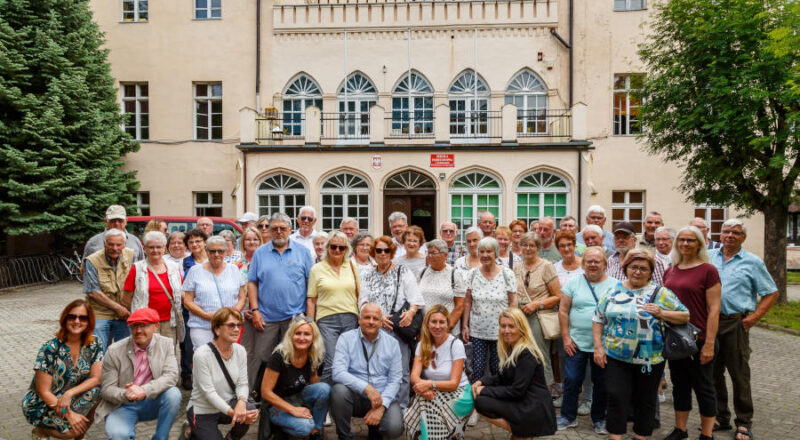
279 228
304 218
448 231
640 269
216 251
81 318
302 317
435 254
233 325
383 251
262 226
337 247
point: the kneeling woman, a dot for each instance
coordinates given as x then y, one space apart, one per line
291 382
517 399
438 380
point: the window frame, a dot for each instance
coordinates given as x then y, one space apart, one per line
354 123
624 128
629 6
418 109
138 16
210 100
343 188
284 189
528 116
294 120
140 203
542 190
138 98
627 206
201 209
479 187
469 108
208 9
708 217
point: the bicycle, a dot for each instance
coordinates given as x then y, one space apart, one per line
70 267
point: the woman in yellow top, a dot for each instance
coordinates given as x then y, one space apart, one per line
333 287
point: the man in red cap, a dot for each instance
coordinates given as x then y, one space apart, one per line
139 379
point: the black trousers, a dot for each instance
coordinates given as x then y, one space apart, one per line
629 384
734 355
204 426
689 374
346 403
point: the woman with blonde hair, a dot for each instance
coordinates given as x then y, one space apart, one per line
291 383
517 399
438 380
504 238
155 225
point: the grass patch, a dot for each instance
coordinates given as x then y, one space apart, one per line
784 315
793 277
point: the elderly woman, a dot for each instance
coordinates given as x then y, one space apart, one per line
490 289
65 390
539 292
333 291
503 235
319 245
438 379
569 266
263 228
291 384
156 283
209 287
390 286
413 238
195 241
517 398
215 399
231 254
443 285
362 244
628 343
518 227
176 249
472 236
696 283
578 303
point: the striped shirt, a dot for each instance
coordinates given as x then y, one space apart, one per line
206 293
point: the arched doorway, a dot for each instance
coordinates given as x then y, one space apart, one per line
414 194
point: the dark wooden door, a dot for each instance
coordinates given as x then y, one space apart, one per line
418 206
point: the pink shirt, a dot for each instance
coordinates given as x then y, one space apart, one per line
141 367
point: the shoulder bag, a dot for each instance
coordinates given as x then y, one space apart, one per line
180 329
407 334
251 404
548 318
680 340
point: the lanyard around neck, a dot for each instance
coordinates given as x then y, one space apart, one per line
372 353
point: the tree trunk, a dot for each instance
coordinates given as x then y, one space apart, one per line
775 246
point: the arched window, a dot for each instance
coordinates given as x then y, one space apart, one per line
412 106
469 104
356 95
409 180
542 194
471 194
281 193
302 92
345 195
528 92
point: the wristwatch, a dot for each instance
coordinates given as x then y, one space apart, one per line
434 384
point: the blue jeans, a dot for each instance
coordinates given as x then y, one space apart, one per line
575 369
330 327
316 397
187 349
106 329
121 423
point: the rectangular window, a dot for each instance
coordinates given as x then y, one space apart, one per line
335 207
535 205
714 216
134 10
208 204
466 209
629 5
143 202
627 100
208 111
627 206
205 9
136 110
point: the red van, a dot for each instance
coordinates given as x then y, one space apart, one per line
136 224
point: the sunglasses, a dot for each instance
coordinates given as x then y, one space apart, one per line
233 325
216 251
262 226
302 317
448 231
337 247
383 251
81 318
304 218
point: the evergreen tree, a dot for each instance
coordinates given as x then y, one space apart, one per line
61 141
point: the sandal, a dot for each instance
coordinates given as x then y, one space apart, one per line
743 431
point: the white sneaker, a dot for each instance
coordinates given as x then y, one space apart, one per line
473 419
328 421
585 408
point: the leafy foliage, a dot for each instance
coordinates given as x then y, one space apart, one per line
60 138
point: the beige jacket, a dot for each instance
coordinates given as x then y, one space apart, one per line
118 366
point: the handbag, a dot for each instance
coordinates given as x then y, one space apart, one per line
180 326
680 340
406 334
548 319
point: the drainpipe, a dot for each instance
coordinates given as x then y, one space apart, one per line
571 42
258 57
244 177
580 190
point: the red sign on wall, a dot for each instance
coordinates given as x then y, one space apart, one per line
443 160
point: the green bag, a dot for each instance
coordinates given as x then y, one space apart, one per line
464 405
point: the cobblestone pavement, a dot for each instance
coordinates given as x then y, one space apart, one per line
29 316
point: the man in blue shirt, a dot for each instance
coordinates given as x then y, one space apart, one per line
596 215
276 287
744 278
367 372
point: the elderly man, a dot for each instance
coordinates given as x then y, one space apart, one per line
306 218
206 225
744 279
276 287
625 240
140 374
448 232
664 238
652 222
349 226
487 223
367 375
248 220
596 215
592 235
103 280
547 231
700 223
398 223
116 218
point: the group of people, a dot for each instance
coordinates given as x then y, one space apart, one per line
413 336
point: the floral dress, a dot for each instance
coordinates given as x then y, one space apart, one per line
54 359
489 299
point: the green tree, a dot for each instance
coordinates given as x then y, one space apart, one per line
61 141
719 101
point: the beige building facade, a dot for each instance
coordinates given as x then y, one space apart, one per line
363 108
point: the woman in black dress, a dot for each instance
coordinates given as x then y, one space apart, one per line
517 399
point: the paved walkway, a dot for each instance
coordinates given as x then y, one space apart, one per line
29 316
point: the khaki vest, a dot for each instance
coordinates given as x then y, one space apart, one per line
111 281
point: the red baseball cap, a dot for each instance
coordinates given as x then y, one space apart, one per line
145 315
